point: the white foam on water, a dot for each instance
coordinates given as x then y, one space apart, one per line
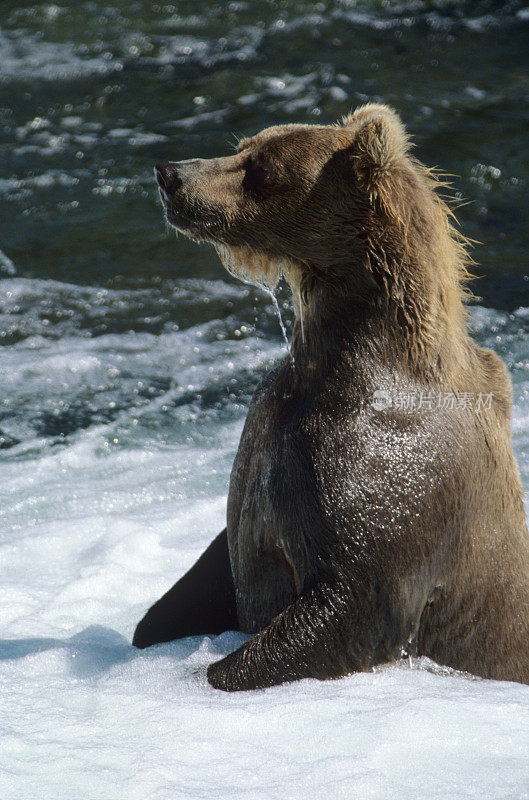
28 56
7 267
93 532
437 16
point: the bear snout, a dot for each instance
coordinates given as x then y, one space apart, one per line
167 177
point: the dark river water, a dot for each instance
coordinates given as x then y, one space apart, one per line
108 321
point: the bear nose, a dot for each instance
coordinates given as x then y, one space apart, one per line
168 178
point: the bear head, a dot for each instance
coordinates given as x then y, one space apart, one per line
341 211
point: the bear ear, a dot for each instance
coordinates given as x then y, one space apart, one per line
379 144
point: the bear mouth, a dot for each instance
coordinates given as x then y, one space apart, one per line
186 222
182 221
198 223
175 216
178 219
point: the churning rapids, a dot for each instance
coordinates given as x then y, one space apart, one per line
128 360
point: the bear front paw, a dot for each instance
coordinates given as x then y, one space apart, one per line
230 674
218 676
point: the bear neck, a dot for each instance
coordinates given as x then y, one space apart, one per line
420 335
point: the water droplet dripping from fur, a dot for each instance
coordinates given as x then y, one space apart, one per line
257 270
280 318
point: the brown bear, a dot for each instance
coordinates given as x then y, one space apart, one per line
375 505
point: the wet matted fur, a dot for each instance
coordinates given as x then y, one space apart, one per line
356 531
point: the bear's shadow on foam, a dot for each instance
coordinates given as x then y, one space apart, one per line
97 649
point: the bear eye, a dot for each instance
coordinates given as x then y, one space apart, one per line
257 177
